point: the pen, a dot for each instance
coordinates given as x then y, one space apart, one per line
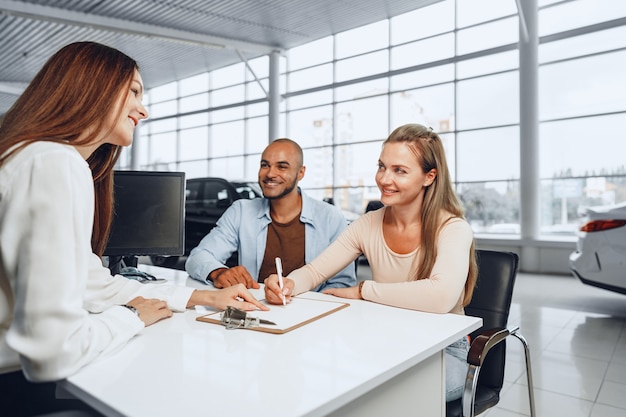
279 271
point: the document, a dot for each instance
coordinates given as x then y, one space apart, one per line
298 312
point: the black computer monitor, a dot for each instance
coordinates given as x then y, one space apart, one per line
149 216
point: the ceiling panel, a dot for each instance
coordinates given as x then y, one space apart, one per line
173 39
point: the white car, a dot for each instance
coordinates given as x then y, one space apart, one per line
600 256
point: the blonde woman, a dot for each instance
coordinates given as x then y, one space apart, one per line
419 246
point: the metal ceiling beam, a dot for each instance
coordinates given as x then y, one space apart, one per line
64 16
522 21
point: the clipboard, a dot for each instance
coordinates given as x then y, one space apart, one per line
297 313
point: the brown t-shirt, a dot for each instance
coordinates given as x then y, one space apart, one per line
286 241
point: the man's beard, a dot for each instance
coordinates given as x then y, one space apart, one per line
281 195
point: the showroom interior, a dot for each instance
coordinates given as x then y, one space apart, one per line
527 95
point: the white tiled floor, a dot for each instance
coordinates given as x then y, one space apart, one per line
577 338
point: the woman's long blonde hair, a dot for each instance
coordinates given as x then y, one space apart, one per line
438 197
75 91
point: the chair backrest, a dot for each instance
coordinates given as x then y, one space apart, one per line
491 301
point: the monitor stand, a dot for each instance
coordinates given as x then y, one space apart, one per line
116 263
127 267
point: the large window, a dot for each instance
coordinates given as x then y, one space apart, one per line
456 71
581 110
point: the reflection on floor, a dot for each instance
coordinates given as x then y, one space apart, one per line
577 337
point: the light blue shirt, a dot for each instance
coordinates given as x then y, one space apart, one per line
243 228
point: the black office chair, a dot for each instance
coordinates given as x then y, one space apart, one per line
487 356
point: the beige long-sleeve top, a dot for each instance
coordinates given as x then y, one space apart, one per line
394 275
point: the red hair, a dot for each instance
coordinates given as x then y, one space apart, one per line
74 92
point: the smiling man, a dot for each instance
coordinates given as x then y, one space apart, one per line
285 223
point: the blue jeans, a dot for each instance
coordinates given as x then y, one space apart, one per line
456 368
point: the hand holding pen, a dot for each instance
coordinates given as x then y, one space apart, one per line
273 292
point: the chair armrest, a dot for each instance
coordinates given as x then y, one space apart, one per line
483 343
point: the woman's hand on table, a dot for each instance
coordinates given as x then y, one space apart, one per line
351 292
236 296
150 310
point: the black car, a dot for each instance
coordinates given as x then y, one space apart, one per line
206 199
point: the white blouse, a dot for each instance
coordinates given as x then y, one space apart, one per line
59 307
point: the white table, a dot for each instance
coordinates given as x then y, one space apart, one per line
366 360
